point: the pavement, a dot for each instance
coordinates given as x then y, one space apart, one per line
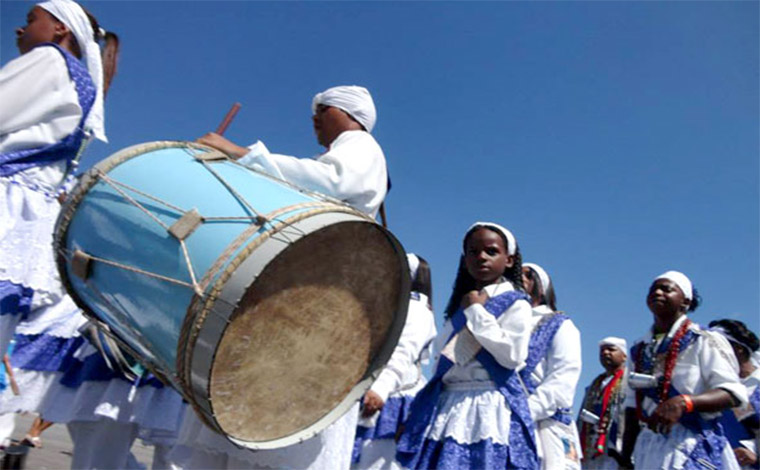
55 452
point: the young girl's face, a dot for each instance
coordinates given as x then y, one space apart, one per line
486 256
40 27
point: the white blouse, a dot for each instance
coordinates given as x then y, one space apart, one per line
402 368
506 338
352 170
39 107
558 372
707 363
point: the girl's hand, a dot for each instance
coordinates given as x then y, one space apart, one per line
667 414
212 139
372 404
474 297
745 457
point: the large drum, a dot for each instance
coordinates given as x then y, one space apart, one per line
270 308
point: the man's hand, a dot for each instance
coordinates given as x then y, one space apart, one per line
372 404
212 139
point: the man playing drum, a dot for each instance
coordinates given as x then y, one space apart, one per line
353 170
353 167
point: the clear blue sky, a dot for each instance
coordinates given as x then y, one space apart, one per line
616 139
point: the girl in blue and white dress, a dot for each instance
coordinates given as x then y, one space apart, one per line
52 105
474 411
551 373
744 422
386 403
688 378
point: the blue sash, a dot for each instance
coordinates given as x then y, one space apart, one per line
425 405
66 149
540 342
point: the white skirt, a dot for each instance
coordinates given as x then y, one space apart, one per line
49 330
27 221
198 447
656 451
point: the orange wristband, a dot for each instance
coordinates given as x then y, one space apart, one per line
688 402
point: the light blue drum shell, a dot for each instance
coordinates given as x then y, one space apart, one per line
139 283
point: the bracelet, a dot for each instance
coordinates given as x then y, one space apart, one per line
688 402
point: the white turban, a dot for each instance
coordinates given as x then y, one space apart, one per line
354 100
72 15
542 276
414 264
680 280
511 241
619 343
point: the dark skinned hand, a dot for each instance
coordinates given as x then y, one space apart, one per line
667 414
745 457
372 404
474 297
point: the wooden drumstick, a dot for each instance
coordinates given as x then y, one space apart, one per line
228 118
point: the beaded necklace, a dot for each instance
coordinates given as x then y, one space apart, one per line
671 356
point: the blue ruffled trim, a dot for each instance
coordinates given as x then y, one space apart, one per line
15 299
449 454
44 353
94 368
393 414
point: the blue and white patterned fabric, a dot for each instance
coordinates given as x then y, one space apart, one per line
28 209
705 362
481 424
66 149
540 342
551 375
64 378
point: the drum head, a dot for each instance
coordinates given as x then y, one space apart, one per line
307 331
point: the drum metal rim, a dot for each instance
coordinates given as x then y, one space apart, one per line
194 368
332 206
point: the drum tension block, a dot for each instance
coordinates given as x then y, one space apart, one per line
186 224
80 264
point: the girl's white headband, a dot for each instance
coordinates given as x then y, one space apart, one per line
511 241
542 276
681 281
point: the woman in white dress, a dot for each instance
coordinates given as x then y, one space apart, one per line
474 411
687 378
552 372
386 403
743 423
52 105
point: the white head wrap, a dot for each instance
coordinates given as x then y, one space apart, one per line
733 339
414 264
681 281
542 276
355 100
511 241
619 343
72 15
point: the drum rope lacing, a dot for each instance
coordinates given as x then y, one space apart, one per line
258 221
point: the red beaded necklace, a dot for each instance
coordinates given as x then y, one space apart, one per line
671 356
